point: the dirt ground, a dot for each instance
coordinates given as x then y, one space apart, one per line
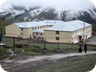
73 63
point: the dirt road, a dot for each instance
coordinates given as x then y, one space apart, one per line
37 62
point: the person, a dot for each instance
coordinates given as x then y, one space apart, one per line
1 38
80 48
85 47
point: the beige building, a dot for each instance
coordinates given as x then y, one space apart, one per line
68 32
51 30
26 29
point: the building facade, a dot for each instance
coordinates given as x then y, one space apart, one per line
26 29
52 30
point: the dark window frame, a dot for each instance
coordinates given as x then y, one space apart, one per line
57 32
21 29
36 33
57 38
41 34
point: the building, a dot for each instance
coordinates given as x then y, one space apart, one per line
68 32
51 30
26 29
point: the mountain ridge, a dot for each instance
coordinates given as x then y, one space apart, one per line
15 11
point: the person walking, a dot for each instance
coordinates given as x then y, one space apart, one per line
85 47
80 48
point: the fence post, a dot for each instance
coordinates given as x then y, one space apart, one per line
14 44
58 44
45 44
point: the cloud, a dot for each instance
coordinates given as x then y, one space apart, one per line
73 4
93 1
2 1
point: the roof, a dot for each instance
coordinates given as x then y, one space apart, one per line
69 26
57 25
30 24
54 22
39 30
39 23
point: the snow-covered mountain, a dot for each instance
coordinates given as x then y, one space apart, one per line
26 10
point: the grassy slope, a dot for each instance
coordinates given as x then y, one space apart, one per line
3 53
94 27
39 49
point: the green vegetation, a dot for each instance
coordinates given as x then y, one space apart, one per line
38 48
52 48
3 53
94 27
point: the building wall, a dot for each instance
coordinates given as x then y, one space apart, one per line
67 37
87 31
64 37
12 30
38 34
15 31
26 33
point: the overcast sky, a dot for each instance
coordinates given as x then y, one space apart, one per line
67 4
73 4
93 1
2 1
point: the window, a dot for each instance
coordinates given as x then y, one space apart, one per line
38 27
41 33
21 29
34 28
57 38
36 33
57 32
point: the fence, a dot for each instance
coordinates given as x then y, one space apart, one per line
35 44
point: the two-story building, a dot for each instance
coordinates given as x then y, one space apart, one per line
51 30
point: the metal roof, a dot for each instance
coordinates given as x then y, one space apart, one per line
57 25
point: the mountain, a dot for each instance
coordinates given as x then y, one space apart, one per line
66 10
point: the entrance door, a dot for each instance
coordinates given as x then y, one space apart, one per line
80 38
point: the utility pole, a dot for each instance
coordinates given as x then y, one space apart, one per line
58 44
83 34
45 44
14 44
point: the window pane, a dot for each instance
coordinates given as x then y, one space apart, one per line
57 32
36 33
21 29
57 38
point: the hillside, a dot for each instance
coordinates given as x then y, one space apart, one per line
66 10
